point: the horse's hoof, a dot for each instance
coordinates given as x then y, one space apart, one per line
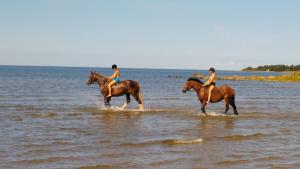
141 107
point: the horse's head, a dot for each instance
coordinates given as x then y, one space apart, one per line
187 86
92 78
190 84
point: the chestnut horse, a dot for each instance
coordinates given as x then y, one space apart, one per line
127 87
218 94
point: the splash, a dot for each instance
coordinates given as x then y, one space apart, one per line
119 109
214 114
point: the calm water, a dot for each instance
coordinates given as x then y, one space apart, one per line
49 118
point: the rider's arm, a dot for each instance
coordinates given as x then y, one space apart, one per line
114 75
209 80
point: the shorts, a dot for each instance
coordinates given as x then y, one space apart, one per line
117 80
212 84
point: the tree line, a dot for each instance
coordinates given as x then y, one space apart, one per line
277 68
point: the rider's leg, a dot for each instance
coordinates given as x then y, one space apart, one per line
109 87
209 92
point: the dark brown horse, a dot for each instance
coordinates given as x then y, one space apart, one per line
126 87
218 94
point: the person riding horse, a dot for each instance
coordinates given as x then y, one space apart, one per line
211 82
115 78
125 87
219 93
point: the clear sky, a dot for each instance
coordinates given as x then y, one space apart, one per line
186 34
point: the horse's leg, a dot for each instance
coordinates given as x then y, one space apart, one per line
106 103
105 100
226 101
203 104
232 103
139 100
108 100
127 101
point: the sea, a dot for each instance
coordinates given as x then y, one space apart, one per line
50 119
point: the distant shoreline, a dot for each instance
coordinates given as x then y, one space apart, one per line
287 77
274 68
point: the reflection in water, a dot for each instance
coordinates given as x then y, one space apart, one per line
121 123
210 126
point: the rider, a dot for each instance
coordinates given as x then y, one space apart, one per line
211 82
115 78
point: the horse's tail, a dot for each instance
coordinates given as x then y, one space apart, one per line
135 90
233 98
232 103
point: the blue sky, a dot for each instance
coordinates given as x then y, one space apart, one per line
190 34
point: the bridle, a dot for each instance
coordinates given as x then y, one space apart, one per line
188 86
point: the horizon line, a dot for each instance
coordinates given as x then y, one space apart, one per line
109 67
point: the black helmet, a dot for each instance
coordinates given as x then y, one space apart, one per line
114 66
212 69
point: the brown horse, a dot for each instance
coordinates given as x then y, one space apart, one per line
218 94
127 87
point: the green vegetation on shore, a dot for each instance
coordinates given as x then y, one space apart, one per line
289 77
276 68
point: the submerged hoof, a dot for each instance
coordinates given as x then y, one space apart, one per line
141 107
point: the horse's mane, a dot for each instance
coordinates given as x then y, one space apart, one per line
103 78
195 79
99 75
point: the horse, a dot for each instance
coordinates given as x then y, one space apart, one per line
126 87
218 94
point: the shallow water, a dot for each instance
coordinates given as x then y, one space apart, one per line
49 118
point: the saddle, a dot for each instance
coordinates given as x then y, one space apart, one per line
216 91
117 85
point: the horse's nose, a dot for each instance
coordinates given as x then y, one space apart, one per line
183 91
